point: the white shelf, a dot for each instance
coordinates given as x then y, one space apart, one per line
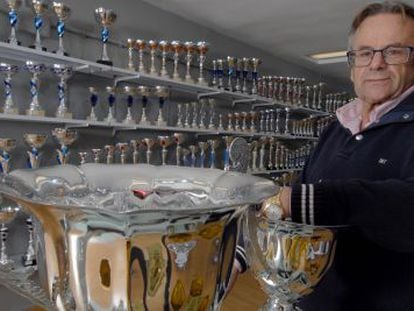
21 54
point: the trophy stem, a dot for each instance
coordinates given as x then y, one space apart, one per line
13 38
274 304
34 105
61 31
9 105
141 67
61 111
178 154
38 25
227 159
153 70
4 259
201 77
29 258
175 72
213 158
105 56
188 67
148 154
164 64
130 59
60 51
164 156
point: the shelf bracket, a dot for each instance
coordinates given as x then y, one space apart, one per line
243 101
127 78
208 94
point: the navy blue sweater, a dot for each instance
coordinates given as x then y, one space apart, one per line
365 181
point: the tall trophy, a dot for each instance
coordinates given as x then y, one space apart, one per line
63 72
165 47
162 93
39 7
8 70
177 47
7 145
227 140
123 148
203 147
189 48
255 74
83 155
35 69
193 150
231 63
180 138
130 47
65 137
135 143
140 46
14 5
214 143
105 18
153 45
202 48
245 73
145 92
149 143
96 152
288 259
7 214
35 142
110 153
129 92
111 104
165 142
93 98
62 12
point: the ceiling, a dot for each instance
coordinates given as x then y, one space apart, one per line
288 29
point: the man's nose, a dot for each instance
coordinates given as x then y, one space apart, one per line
378 60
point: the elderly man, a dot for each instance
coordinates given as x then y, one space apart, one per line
361 174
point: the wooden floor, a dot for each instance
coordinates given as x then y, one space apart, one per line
246 295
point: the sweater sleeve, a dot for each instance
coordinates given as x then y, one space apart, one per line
383 210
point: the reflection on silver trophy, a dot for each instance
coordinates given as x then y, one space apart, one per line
105 18
288 259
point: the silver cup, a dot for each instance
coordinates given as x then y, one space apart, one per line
288 259
65 137
14 5
202 48
39 7
145 92
63 72
130 47
111 118
8 71
177 47
93 98
164 47
165 142
162 93
153 45
82 157
123 148
7 145
129 92
35 142
35 69
189 48
62 12
140 46
105 18
149 143
7 214
135 144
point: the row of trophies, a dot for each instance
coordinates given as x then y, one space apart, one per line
279 157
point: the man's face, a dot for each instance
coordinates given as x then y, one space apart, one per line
379 82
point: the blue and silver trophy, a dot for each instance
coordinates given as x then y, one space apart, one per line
65 137
227 140
14 5
7 145
214 143
111 103
39 7
8 70
35 69
105 18
93 98
255 74
64 73
129 92
62 12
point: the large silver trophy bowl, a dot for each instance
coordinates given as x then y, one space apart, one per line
288 259
130 237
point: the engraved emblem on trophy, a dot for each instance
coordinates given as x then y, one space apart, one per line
153 45
129 92
149 143
164 47
123 149
7 145
135 143
177 47
35 69
96 152
62 12
63 72
8 71
111 104
93 99
130 47
110 153
140 46
105 18
162 93
65 137
213 143
39 7
255 65
35 142
145 92
165 142
202 48
180 138
189 48
14 5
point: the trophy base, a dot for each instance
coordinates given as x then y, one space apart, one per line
10 111
34 47
28 261
92 119
105 62
37 113
66 115
64 53
18 42
131 121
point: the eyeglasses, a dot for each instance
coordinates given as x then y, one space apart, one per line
392 55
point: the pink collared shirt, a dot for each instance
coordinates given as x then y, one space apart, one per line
350 115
